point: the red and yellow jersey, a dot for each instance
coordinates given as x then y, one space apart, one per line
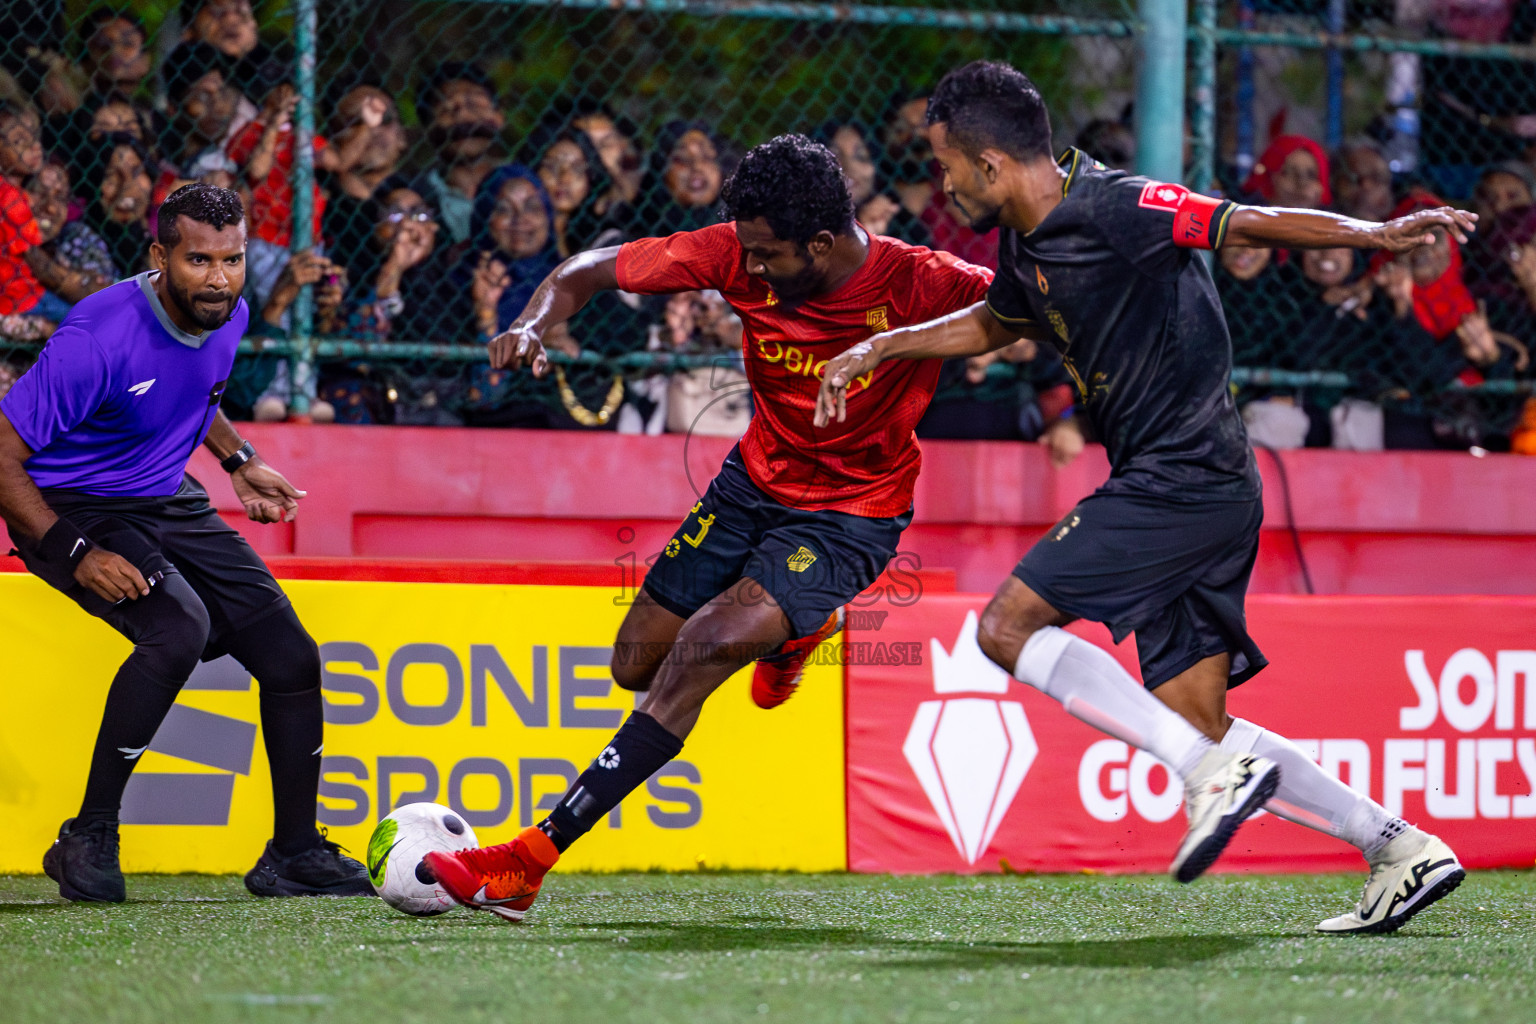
868 464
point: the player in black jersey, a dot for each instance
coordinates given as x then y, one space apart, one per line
1098 264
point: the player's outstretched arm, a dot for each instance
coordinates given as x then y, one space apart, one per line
971 331
1266 227
559 297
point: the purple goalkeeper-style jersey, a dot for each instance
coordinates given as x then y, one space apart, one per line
121 397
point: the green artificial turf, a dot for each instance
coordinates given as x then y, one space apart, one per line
797 948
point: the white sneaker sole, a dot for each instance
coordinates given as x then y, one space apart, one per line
1211 847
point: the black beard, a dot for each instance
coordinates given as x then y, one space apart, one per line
440 135
982 224
797 289
189 309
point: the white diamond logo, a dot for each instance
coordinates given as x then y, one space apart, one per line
970 754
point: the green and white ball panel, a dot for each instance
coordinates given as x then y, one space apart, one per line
400 842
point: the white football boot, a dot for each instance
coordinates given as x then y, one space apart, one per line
1408 874
1221 793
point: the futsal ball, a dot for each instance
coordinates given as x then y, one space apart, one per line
395 851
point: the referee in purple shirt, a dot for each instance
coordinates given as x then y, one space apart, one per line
94 443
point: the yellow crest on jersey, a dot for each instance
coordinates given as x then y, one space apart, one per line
877 319
801 560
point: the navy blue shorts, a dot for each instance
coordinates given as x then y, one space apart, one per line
810 562
1174 574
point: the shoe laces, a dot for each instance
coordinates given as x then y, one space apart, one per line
499 867
102 837
1377 875
329 845
326 850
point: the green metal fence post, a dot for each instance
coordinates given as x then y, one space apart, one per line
1160 89
301 334
1203 109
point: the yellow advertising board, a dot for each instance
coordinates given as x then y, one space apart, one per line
487 698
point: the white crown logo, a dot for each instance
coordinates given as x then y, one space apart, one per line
969 754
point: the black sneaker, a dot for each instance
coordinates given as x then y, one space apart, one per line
84 863
321 870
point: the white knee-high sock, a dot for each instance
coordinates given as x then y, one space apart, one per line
1093 687
1310 796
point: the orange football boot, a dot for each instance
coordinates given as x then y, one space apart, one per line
503 879
776 677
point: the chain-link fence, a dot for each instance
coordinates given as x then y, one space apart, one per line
1414 104
463 148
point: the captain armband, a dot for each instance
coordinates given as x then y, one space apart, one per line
1199 222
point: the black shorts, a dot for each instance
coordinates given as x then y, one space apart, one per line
180 534
1174 574
809 562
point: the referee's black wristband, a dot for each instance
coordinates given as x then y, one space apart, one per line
245 453
64 545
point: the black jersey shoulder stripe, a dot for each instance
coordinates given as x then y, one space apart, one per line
1220 234
1010 319
1075 156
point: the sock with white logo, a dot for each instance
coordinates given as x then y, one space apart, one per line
1093 687
1310 796
636 752
280 654
136 705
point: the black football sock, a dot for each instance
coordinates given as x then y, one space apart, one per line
283 657
636 752
168 629
136 705
293 728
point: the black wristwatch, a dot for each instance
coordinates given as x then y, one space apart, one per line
245 453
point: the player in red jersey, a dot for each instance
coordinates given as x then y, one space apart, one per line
801 518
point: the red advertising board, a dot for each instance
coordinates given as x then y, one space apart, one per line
1428 704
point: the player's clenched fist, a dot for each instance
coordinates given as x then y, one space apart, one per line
516 347
832 399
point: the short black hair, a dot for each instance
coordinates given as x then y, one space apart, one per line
94 19
431 89
17 110
206 204
990 105
190 9
185 65
262 70
342 84
796 185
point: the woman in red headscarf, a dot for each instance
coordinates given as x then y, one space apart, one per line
1441 301
1293 172
1429 282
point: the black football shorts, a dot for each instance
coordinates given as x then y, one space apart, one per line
1174 573
180 534
809 562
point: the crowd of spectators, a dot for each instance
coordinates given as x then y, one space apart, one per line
1398 334
447 249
